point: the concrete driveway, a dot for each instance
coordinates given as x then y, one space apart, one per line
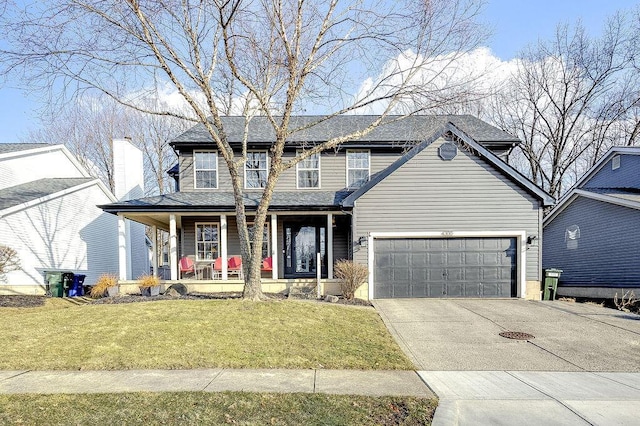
579 368
463 334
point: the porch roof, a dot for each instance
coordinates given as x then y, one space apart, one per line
223 201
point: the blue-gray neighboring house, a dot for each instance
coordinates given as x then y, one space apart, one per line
593 233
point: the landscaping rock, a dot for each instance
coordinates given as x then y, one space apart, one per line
172 292
331 298
181 289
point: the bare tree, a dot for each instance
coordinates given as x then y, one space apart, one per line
87 126
9 260
262 57
571 99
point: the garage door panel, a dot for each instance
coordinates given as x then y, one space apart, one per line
445 267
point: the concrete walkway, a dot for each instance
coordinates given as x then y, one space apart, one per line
346 382
535 398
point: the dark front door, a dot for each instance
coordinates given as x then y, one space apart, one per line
302 243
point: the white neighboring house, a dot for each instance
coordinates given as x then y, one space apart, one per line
49 215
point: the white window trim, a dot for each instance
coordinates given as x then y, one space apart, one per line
195 169
266 153
267 230
195 229
346 160
319 173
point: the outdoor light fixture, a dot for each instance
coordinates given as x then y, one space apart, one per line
531 239
362 241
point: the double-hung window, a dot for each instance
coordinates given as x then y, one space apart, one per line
266 248
308 171
207 244
357 167
255 170
206 169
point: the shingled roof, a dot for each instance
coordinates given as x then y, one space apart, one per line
223 201
15 147
26 192
409 129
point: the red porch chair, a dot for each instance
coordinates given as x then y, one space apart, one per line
217 268
187 266
267 264
235 266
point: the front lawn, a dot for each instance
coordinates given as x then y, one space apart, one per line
214 408
187 334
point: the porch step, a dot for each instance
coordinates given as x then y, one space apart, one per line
303 292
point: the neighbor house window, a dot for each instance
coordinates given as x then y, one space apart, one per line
207 244
309 172
266 244
206 169
357 167
255 170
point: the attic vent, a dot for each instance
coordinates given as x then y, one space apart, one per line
571 237
615 162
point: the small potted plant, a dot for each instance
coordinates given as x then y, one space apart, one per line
107 285
149 285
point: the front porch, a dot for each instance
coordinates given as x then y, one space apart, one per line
296 246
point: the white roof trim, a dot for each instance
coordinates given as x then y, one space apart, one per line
571 196
55 195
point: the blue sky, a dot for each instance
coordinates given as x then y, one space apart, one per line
515 23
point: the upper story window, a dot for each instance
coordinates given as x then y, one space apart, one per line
308 171
357 167
255 170
206 169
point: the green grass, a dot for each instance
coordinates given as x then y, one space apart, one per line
186 334
214 408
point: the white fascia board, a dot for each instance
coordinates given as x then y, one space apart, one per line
50 197
448 234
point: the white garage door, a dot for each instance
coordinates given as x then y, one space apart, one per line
444 267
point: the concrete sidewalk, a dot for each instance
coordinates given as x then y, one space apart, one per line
346 382
535 398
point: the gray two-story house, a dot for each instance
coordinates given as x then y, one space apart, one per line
427 203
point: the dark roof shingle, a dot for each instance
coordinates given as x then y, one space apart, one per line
409 129
221 201
19 194
16 147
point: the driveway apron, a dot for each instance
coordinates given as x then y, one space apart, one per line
580 365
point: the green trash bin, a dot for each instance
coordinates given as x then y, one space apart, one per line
54 284
551 277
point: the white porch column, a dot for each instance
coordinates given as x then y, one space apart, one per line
330 246
223 246
122 248
173 247
154 250
274 246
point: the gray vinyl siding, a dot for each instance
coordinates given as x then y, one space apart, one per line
333 171
626 176
608 252
427 194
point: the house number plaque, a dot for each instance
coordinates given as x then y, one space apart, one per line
448 151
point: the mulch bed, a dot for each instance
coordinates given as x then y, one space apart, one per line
19 301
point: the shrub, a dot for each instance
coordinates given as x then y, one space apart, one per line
148 280
351 275
104 282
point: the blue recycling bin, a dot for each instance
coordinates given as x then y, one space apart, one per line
77 286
